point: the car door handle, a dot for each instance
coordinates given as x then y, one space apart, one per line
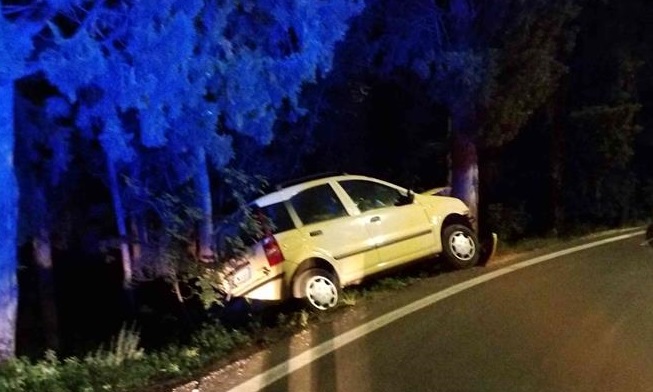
315 233
375 219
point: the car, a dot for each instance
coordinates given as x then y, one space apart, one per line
319 235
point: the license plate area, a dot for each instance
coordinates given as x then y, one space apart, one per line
241 276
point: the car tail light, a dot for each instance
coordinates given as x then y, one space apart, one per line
272 250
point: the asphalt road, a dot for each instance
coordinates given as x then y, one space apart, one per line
580 322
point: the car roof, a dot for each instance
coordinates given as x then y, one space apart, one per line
288 192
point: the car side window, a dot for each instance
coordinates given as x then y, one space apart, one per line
277 218
370 195
318 204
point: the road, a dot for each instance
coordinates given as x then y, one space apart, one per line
578 322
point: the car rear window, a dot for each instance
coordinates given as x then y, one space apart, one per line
318 204
277 218
249 225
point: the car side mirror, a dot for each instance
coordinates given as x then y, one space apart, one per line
406 199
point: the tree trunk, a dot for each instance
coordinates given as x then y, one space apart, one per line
557 156
43 258
122 232
557 173
203 189
42 249
139 244
136 246
8 224
464 172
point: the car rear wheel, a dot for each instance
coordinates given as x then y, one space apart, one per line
460 246
320 289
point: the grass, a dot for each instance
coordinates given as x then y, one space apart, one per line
506 251
349 298
121 367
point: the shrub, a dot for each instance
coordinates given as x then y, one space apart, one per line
123 366
509 222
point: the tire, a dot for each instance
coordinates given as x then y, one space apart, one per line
460 246
319 289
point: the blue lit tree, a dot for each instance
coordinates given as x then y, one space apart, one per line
236 63
124 58
20 23
12 54
167 78
276 48
44 152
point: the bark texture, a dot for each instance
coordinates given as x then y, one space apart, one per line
8 225
121 223
464 172
49 316
203 189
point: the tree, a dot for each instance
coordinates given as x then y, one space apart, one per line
9 210
123 67
43 147
15 47
604 115
491 64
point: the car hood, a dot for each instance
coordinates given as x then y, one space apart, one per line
440 191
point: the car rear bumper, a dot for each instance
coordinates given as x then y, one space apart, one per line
269 289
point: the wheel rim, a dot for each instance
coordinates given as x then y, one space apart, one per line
462 245
321 292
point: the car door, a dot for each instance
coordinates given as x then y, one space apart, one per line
331 231
400 229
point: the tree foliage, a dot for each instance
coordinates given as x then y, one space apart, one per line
491 65
604 123
147 83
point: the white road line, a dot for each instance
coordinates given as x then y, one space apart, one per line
268 377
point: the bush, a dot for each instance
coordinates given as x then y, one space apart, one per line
508 222
122 367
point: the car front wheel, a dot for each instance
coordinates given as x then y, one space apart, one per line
460 246
320 289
